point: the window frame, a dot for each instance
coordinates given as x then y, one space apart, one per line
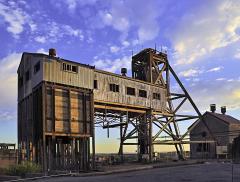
37 67
142 93
113 87
95 84
69 67
129 90
156 96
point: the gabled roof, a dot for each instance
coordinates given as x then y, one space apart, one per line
224 117
229 120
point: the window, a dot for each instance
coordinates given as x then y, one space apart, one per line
27 75
203 147
156 96
130 91
64 66
142 93
20 82
114 87
37 67
74 69
95 84
69 67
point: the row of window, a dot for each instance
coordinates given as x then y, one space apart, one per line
129 91
69 67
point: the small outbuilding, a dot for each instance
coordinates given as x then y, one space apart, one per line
212 136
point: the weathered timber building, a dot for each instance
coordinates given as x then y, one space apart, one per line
60 102
215 140
8 155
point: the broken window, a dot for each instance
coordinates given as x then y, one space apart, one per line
37 67
114 87
95 84
74 69
143 93
130 91
69 67
157 96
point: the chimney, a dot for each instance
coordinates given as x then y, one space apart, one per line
223 109
124 71
213 107
52 52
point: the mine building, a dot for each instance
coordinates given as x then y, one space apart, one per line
8 155
61 101
213 139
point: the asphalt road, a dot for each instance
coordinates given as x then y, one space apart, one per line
213 172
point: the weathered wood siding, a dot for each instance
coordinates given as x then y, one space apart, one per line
27 64
103 93
222 132
53 72
68 111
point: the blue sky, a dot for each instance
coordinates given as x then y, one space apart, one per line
202 39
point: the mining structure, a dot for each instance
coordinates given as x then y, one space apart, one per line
60 102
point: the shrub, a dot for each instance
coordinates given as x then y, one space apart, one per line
23 169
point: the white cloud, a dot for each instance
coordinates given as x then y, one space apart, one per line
221 79
8 116
237 55
190 73
53 32
73 4
8 91
201 32
117 21
42 50
16 18
73 32
114 49
229 95
113 65
40 39
216 69
123 16
125 43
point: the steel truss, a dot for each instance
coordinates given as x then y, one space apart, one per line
152 66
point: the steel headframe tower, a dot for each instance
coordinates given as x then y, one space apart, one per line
152 66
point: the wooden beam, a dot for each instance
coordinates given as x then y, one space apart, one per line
118 109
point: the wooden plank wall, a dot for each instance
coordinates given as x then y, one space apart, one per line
104 94
53 73
68 111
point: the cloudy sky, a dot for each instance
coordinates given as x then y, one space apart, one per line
202 39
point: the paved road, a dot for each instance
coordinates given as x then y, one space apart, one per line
214 172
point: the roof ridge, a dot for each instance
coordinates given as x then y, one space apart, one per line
218 115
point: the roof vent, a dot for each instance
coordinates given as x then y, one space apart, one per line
52 52
213 107
124 71
223 109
